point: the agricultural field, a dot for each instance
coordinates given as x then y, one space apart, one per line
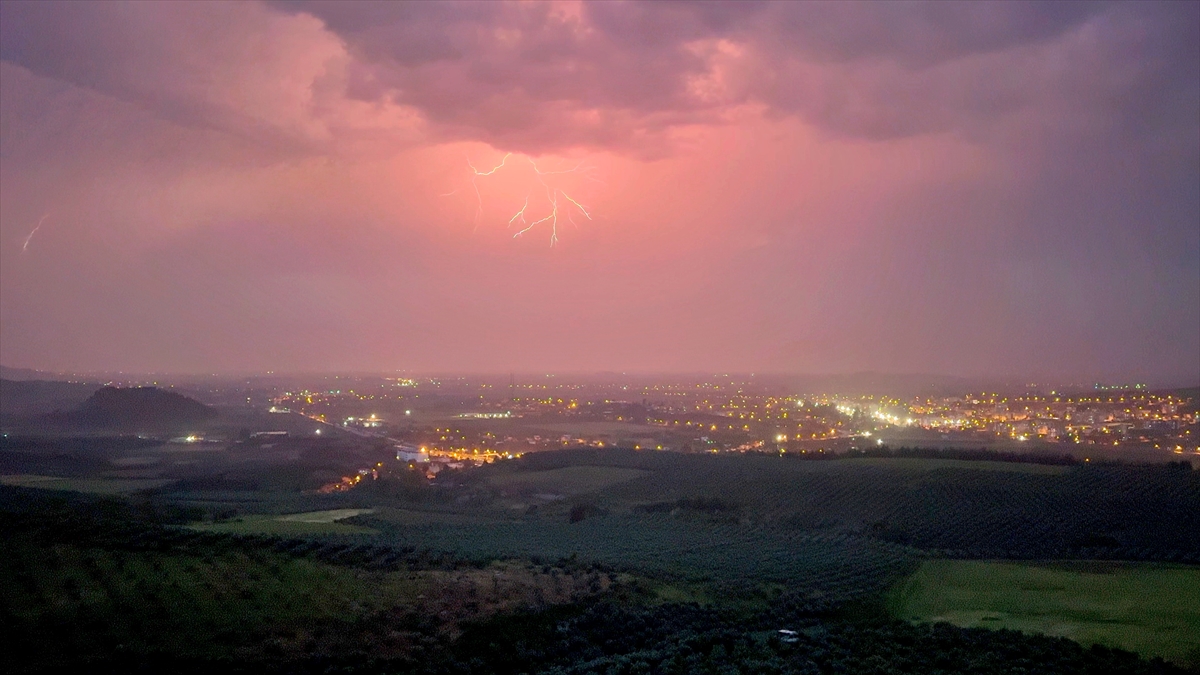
734 560
330 516
572 480
628 557
100 486
252 603
311 522
945 507
1150 609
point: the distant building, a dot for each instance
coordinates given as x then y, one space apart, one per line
268 434
409 453
372 422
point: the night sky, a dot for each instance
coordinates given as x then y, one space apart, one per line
1008 189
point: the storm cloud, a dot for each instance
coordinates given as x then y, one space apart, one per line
975 188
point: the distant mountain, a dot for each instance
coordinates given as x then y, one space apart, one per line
22 374
141 408
35 397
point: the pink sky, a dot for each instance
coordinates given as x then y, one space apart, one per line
1003 189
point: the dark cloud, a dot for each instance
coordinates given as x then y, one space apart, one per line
240 68
917 34
535 77
622 73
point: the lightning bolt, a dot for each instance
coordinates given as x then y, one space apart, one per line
520 214
553 218
25 246
552 196
574 169
475 174
493 170
577 205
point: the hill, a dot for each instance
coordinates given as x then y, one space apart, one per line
9 373
141 407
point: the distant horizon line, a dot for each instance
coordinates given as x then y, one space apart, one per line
931 378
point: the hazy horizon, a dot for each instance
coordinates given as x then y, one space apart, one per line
857 379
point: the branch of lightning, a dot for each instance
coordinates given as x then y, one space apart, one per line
25 246
552 197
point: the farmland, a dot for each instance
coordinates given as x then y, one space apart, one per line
1150 609
312 522
103 486
640 552
731 559
1111 512
572 480
211 602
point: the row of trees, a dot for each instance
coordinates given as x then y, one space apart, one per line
729 556
1128 511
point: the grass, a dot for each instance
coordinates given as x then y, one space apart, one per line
571 480
100 486
331 516
1150 609
294 524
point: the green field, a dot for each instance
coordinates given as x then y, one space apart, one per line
330 516
1150 609
571 480
292 524
100 486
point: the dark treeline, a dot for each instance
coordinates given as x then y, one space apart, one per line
987 455
648 459
961 454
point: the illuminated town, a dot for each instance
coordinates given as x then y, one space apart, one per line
437 423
